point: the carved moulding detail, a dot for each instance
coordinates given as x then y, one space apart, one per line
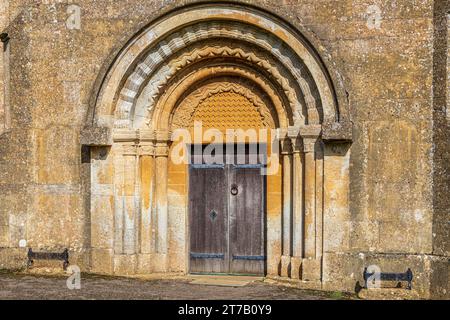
185 82
165 74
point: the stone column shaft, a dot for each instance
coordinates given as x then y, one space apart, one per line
297 206
310 194
319 199
147 163
312 262
297 214
297 196
161 171
130 235
287 207
118 200
161 204
310 135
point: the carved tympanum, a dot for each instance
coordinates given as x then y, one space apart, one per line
223 106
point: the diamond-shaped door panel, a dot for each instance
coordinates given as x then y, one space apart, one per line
213 215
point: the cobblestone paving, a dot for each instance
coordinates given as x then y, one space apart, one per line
31 287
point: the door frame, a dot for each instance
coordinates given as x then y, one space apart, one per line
188 214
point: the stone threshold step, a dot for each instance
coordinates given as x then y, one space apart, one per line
223 280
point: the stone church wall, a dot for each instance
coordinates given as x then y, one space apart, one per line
384 52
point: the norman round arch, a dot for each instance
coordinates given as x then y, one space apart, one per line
161 40
236 67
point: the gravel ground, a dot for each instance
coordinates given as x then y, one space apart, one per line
33 287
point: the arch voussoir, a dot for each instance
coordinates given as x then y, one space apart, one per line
161 115
207 30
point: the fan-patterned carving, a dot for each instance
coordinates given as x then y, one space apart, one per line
223 106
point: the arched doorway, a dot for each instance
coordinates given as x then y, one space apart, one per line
235 68
225 182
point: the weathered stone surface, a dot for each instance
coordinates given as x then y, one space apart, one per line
96 136
311 269
388 294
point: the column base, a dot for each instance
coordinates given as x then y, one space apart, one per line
160 262
102 261
311 269
125 264
285 266
273 266
144 265
296 267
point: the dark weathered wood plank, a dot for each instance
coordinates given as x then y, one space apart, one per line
246 221
208 220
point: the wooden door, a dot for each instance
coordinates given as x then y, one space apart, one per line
246 220
208 220
226 216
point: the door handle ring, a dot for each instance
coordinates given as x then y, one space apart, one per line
234 190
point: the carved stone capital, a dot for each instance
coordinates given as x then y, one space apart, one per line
286 146
161 150
309 145
297 145
147 150
310 134
294 136
293 132
129 149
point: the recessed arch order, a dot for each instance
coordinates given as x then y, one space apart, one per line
192 62
144 60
